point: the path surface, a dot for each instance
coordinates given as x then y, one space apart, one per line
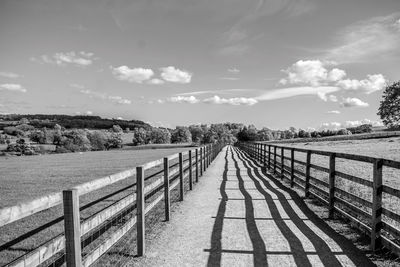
241 216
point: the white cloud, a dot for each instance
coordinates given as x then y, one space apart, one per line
89 112
361 122
156 81
312 72
333 112
233 70
9 74
82 59
135 75
373 38
231 101
373 83
183 99
120 100
331 125
12 87
104 96
353 102
315 73
172 74
336 75
320 91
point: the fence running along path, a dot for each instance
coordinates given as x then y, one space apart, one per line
339 201
79 232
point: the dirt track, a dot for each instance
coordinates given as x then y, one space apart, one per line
239 216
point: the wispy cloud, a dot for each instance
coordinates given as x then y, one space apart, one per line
104 96
236 41
183 99
297 91
10 75
233 70
13 87
375 38
353 102
235 101
333 112
81 59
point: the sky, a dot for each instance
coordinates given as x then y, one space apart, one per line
274 63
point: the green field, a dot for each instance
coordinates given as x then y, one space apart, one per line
28 177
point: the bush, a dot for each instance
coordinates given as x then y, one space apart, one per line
181 135
98 140
114 141
14 131
75 140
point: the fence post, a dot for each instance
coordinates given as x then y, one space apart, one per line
205 158
197 165
264 155
282 162
274 159
376 220
166 189
332 163
269 157
190 171
181 182
291 167
140 213
308 168
72 227
201 161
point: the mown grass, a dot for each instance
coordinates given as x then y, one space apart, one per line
29 177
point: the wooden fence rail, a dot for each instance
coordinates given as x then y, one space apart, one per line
367 215
71 242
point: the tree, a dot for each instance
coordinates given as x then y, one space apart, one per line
389 109
160 136
140 137
117 129
197 133
98 140
181 135
343 132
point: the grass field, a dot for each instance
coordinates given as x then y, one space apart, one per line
25 178
29 177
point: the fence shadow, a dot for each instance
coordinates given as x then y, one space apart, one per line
260 175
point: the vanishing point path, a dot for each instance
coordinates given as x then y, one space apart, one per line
239 215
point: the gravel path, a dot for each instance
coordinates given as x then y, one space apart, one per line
239 215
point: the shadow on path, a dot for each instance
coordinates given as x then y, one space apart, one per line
322 249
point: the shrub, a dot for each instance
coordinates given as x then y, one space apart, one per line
11 130
98 140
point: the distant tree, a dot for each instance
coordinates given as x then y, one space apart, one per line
264 134
117 129
11 130
389 109
140 137
197 133
23 121
75 140
114 140
98 140
160 136
307 135
343 132
181 135
301 133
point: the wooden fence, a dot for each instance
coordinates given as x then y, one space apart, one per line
365 214
77 232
